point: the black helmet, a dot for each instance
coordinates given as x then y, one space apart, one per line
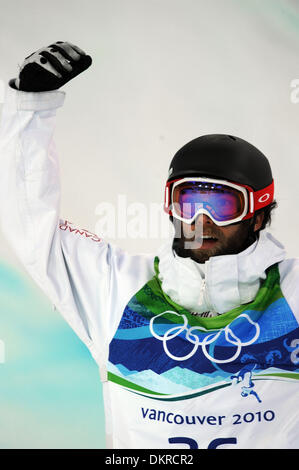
228 158
225 157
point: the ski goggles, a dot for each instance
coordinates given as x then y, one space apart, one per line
224 202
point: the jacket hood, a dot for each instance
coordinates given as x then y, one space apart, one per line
221 283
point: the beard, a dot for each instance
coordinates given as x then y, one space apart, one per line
222 243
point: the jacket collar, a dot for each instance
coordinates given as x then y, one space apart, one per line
221 283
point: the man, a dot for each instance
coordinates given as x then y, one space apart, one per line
197 347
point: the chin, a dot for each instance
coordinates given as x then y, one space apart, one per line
198 255
202 256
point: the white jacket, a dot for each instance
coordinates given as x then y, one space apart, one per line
91 283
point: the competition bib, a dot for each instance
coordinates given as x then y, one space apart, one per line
181 381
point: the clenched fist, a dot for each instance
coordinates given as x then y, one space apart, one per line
51 67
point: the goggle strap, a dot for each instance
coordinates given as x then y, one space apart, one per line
263 197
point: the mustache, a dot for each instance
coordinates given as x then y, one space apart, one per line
198 234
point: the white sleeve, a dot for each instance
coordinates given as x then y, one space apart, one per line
72 267
289 283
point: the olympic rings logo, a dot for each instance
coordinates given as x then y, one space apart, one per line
230 337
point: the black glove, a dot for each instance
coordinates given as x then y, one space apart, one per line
51 67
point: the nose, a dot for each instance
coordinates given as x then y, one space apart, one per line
203 219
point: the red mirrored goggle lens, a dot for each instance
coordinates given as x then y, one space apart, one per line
221 201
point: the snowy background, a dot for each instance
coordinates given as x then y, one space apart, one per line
163 73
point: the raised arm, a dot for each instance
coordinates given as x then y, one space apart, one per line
70 266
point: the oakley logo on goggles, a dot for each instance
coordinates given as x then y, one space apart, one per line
224 202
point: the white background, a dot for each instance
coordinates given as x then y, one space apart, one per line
163 73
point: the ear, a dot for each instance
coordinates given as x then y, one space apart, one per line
258 221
